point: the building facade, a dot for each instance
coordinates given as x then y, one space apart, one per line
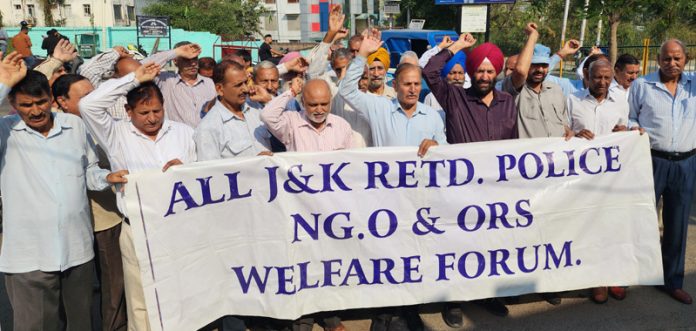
73 13
307 20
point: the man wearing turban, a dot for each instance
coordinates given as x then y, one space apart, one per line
478 113
455 74
378 64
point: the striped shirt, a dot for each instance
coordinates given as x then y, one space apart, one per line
182 101
297 133
670 121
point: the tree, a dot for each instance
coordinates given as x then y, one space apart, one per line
222 17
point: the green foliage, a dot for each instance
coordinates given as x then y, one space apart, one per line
223 17
638 19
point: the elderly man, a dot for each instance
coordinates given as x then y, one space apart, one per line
354 44
626 70
147 141
48 165
232 127
117 62
398 122
68 90
185 92
541 105
662 104
595 111
378 64
479 113
313 130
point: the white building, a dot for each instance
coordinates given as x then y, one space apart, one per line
73 13
306 20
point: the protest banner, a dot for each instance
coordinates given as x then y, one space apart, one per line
298 233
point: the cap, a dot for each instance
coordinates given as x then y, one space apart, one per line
542 54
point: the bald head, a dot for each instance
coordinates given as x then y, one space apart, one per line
672 59
599 64
510 64
125 66
316 99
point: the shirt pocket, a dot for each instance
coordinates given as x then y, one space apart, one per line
238 146
529 106
690 107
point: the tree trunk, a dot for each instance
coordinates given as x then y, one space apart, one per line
614 21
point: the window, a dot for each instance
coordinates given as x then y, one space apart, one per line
270 23
293 22
87 9
30 10
293 1
18 7
131 12
270 2
118 16
67 10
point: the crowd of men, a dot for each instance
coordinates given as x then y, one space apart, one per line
74 138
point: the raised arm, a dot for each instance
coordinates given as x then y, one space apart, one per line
361 102
102 65
318 61
273 115
519 75
439 86
12 70
425 58
94 106
63 52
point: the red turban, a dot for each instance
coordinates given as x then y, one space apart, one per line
480 53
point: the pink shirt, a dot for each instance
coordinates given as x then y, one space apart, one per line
295 131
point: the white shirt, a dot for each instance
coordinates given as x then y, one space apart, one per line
598 117
615 87
222 134
47 222
125 145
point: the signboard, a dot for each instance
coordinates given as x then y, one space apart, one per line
392 7
472 2
416 24
473 18
153 26
299 233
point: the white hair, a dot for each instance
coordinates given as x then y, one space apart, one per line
408 54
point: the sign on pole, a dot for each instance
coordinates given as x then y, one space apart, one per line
153 26
474 18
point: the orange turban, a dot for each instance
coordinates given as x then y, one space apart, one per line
380 55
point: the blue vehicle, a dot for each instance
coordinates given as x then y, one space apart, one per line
399 41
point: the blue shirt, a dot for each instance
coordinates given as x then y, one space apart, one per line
388 121
222 135
47 221
670 121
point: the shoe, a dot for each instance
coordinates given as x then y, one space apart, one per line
381 322
412 318
551 298
618 293
600 295
680 295
339 327
398 323
494 306
453 316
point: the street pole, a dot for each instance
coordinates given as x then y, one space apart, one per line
584 22
563 31
488 23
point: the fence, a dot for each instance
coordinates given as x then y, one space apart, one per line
646 54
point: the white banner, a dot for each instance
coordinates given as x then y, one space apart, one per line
298 233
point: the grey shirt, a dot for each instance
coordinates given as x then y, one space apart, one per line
542 114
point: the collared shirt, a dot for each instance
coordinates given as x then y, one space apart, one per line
468 118
182 101
388 92
222 134
44 180
542 114
670 121
125 145
22 44
389 123
599 117
616 87
296 132
101 68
